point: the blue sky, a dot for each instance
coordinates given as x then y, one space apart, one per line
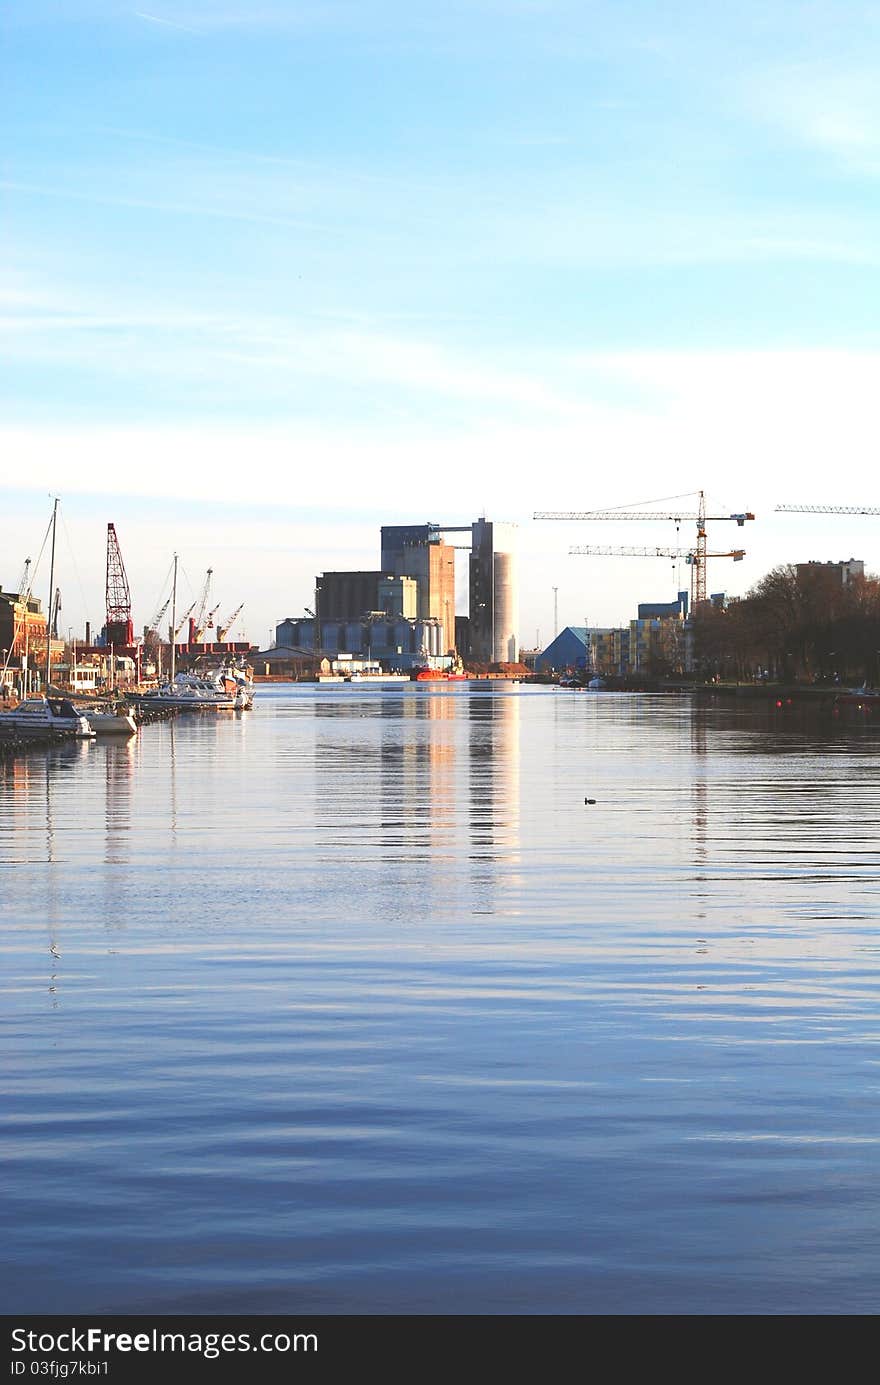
275 272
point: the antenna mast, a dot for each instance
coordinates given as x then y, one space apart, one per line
51 597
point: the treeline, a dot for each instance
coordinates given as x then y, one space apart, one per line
797 624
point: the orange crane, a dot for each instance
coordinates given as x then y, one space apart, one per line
199 623
201 630
224 629
699 552
692 557
183 619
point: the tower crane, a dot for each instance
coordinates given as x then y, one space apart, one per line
831 509
692 557
699 553
224 629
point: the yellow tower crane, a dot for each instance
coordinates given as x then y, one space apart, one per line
692 557
699 553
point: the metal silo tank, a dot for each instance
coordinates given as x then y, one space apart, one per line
506 603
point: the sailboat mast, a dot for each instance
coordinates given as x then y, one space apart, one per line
51 590
173 616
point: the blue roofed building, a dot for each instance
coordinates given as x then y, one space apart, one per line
567 651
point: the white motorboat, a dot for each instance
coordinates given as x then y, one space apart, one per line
189 691
109 721
46 715
227 679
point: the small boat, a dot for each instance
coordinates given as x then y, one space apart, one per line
109 721
421 673
377 675
46 715
188 692
226 680
865 700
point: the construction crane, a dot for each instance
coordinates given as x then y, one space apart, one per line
700 517
24 588
203 601
183 619
208 625
156 623
118 629
831 509
224 629
692 557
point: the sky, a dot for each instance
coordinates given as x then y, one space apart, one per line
276 273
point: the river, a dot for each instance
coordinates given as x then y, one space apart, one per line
353 1004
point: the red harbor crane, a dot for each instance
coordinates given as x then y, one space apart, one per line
118 629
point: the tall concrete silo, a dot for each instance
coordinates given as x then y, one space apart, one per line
494 593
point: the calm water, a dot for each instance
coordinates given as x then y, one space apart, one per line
352 1004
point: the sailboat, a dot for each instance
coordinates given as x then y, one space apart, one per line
43 714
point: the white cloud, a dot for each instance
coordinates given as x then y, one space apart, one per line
752 429
834 109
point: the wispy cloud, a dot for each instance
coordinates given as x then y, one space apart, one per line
833 108
169 23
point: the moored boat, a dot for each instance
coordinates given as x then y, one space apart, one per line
186 692
46 715
110 721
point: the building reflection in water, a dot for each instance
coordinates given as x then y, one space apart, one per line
410 786
119 767
30 784
493 788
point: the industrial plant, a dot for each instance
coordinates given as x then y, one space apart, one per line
402 616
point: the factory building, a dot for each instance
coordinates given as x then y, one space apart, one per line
419 552
493 593
396 641
341 595
407 607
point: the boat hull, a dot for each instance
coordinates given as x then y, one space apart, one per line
431 675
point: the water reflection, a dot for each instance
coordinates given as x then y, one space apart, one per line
656 1059
411 783
119 766
493 785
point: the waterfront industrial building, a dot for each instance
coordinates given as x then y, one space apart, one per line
403 613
